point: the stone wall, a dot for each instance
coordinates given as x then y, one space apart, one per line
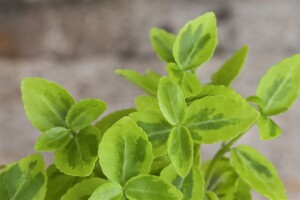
80 44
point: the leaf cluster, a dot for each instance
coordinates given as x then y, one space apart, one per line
153 151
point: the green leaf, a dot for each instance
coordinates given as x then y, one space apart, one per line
147 82
46 103
210 196
255 99
280 86
268 129
159 163
125 151
231 68
258 172
108 191
84 112
197 155
107 121
78 157
149 187
215 90
84 189
24 180
180 150
188 82
147 103
223 179
225 182
196 42
59 183
162 43
52 139
171 101
216 118
192 186
243 191
156 127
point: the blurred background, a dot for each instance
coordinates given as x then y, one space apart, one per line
79 44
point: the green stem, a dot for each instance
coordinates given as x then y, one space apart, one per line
225 148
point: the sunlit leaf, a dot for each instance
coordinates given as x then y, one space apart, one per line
180 150
148 187
258 172
46 103
156 127
52 139
108 191
84 112
196 42
171 101
280 86
125 151
217 118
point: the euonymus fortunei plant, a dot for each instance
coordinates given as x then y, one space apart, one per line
153 151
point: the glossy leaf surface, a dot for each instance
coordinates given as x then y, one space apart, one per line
216 118
258 172
196 42
84 112
108 191
52 139
171 101
46 103
180 150
280 86
125 151
148 187
156 127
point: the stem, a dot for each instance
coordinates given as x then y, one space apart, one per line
217 157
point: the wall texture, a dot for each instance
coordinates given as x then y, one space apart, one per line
79 45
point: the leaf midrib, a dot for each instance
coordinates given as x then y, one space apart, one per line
268 103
